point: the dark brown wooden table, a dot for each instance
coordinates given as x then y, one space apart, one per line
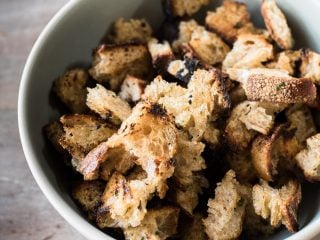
24 211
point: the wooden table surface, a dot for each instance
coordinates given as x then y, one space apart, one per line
24 211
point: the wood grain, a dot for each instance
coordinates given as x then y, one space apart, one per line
24 211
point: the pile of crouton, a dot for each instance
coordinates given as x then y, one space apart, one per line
194 131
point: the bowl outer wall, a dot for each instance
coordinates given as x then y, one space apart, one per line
69 38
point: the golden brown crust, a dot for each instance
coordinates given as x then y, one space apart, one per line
180 8
280 89
112 63
71 89
276 24
229 20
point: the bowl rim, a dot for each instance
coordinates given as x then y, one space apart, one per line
74 219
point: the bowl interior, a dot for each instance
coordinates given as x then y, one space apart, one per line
68 41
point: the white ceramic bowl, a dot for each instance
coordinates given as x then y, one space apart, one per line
68 40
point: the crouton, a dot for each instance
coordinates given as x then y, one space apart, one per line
193 107
183 69
158 224
123 203
254 226
180 8
128 31
194 230
249 51
112 63
245 121
280 206
309 159
310 65
83 133
54 131
241 164
88 194
300 119
149 135
188 181
132 89
71 89
276 24
229 20
161 54
107 104
186 29
208 46
274 85
226 211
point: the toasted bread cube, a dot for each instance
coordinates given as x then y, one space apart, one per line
309 159
288 61
274 85
132 89
83 133
300 119
208 46
249 51
280 206
186 29
226 211
310 66
229 20
180 8
183 69
107 104
245 121
88 194
158 223
71 89
194 230
54 131
276 24
131 30
161 54
123 202
148 137
187 178
112 63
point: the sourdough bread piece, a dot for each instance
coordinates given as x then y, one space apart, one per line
131 30
276 24
270 150
230 20
246 120
310 66
208 46
132 89
287 61
226 211
274 85
71 89
309 159
158 224
88 194
107 104
249 51
188 180
111 63
279 206
180 8
148 137
54 131
82 133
